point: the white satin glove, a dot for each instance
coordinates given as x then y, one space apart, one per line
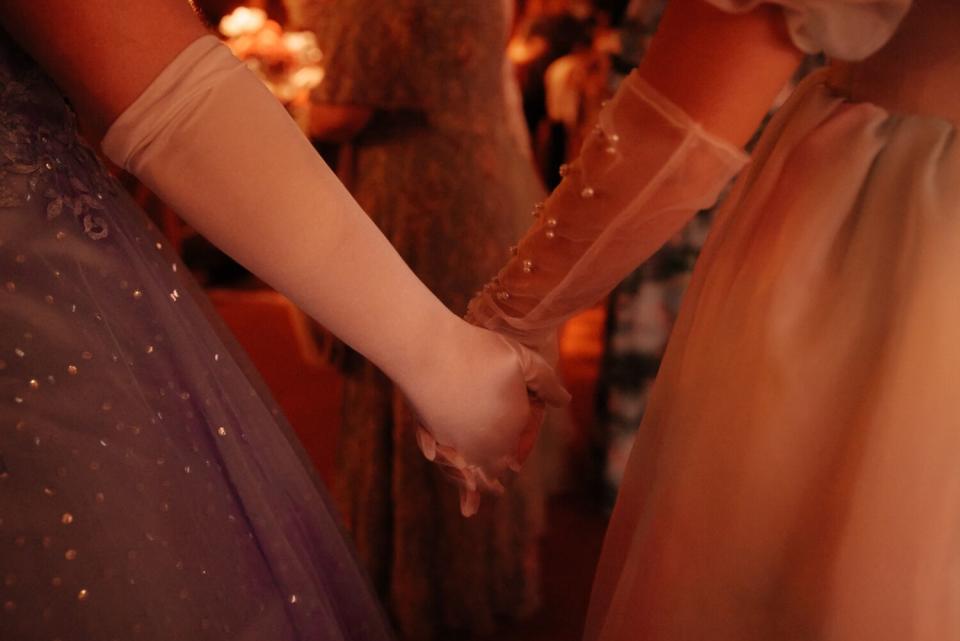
212 142
639 178
487 428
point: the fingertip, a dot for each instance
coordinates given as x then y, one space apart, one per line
469 502
491 483
427 444
554 394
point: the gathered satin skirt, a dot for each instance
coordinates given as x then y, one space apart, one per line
797 473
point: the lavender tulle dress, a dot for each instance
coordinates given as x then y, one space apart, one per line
149 488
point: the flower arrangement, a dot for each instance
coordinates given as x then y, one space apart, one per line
287 62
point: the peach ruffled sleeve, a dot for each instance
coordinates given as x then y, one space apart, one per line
842 29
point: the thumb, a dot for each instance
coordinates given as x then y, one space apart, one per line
540 377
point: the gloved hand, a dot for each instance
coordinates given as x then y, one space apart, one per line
643 173
212 142
476 437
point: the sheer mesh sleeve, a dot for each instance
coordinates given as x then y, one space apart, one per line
639 178
842 29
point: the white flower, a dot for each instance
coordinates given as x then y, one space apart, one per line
302 43
243 20
307 77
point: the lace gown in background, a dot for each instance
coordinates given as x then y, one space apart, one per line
149 488
796 474
441 171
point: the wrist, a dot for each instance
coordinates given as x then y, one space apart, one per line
435 355
457 359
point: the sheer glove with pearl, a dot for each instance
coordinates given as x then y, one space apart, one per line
643 173
210 140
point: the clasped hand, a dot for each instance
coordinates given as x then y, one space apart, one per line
482 412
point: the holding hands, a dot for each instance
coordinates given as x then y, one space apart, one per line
481 409
647 168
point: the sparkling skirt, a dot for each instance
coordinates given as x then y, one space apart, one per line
149 488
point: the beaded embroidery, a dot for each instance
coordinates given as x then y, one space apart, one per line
44 149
